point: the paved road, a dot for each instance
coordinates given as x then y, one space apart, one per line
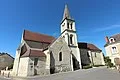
101 73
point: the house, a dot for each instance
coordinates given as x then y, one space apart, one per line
90 54
112 47
40 54
5 60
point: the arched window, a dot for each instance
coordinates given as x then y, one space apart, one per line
60 56
71 25
71 39
68 25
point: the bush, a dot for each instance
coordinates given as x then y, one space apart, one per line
98 65
87 67
108 62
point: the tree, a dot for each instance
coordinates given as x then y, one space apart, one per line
108 62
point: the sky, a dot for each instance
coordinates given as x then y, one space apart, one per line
94 19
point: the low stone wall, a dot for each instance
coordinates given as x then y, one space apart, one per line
5 73
62 68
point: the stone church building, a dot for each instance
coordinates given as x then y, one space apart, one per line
40 54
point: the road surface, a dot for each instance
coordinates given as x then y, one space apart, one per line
101 73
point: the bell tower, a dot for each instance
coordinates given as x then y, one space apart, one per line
68 32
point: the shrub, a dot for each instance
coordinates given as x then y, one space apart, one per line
98 65
108 62
87 67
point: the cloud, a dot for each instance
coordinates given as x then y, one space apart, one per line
106 28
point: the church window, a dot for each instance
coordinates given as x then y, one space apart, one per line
60 56
63 25
68 25
71 25
31 66
35 61
71 39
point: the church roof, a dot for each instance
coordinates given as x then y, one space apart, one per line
32 36
66 13
34 53
38 45
89 46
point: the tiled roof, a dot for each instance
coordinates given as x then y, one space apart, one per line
116 37
32 36
37 45
37 53
89 46
34 53
1 54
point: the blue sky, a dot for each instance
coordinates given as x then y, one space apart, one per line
94 20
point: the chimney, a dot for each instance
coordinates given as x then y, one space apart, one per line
106 39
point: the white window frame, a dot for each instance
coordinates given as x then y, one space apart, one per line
112 39
114 50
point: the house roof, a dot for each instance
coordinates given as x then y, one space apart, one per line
34 53
89 46
116 37
1 54
32 36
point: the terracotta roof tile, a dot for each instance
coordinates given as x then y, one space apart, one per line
32 36
37 53
34 53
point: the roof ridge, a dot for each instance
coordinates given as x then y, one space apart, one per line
6 54
115 35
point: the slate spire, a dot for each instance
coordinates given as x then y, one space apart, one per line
66 13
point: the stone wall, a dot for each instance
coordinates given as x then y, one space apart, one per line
98 58
91 57
23 67
85 57
37 65
6 73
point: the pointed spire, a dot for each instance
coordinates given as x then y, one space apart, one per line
66 13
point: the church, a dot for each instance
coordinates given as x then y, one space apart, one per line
40 54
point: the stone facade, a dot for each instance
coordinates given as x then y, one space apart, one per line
96 57
60 56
